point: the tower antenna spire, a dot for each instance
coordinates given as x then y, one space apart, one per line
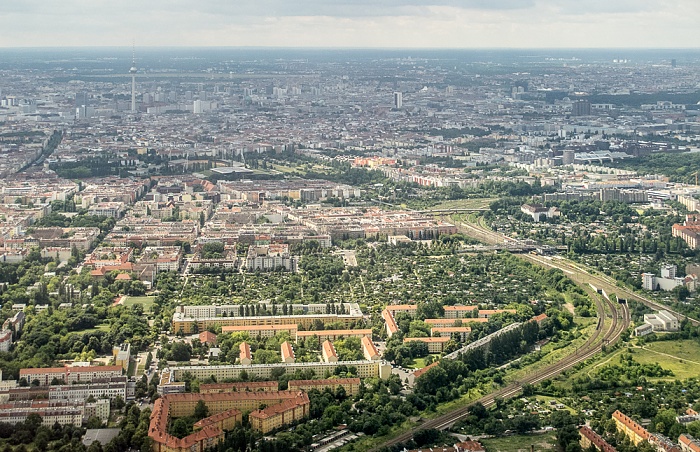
132 71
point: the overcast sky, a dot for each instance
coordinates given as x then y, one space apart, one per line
352 23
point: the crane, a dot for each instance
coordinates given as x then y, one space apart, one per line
696 177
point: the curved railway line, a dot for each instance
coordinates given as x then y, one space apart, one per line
606 333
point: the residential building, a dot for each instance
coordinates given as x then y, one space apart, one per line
688 443
5 340
207 337
122 356
369 350
287 352
245 357
350 385
332 335
410 309
111 389
262 331
328 352
69 375
590 438
538 211
461 331
185 324
390 323
281 414
435 344
635 432
51 412
271 257
365 369
459 312
252 386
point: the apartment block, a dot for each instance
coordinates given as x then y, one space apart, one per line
281 414
435 344
70 375
364 369
332 335
351 385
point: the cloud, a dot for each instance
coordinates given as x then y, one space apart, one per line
353 23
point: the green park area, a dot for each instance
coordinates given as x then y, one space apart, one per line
682 357
146 302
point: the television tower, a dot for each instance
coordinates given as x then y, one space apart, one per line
132 71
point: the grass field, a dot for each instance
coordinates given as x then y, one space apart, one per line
680 357
419 363
146 302
478 203
522 443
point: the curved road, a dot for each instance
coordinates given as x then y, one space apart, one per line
606 333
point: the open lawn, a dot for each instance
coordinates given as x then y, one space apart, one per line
522 443
419 363
680 357
477 203
146 302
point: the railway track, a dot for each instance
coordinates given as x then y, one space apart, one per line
605 334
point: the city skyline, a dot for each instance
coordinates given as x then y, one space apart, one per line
386 24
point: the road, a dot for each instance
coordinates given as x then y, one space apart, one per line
575 271
606 333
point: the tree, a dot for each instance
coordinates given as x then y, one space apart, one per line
94 422
201 410
180 428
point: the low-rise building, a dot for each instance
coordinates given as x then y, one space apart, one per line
271 257
538 211
5 340
262 331
365 369
350 385
688 443
245 357
459 312
69 375
662 321
626 425
251 386
391 326
185 324
435 344
110 389
122 356
328 352
461 331
369 350
281 414
590 438
51 412
332 335
287 352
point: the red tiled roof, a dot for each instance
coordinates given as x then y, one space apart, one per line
631 424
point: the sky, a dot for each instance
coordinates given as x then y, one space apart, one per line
352 23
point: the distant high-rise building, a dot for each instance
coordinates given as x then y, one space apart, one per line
673 62
568 157
581 108
81 99
398 100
